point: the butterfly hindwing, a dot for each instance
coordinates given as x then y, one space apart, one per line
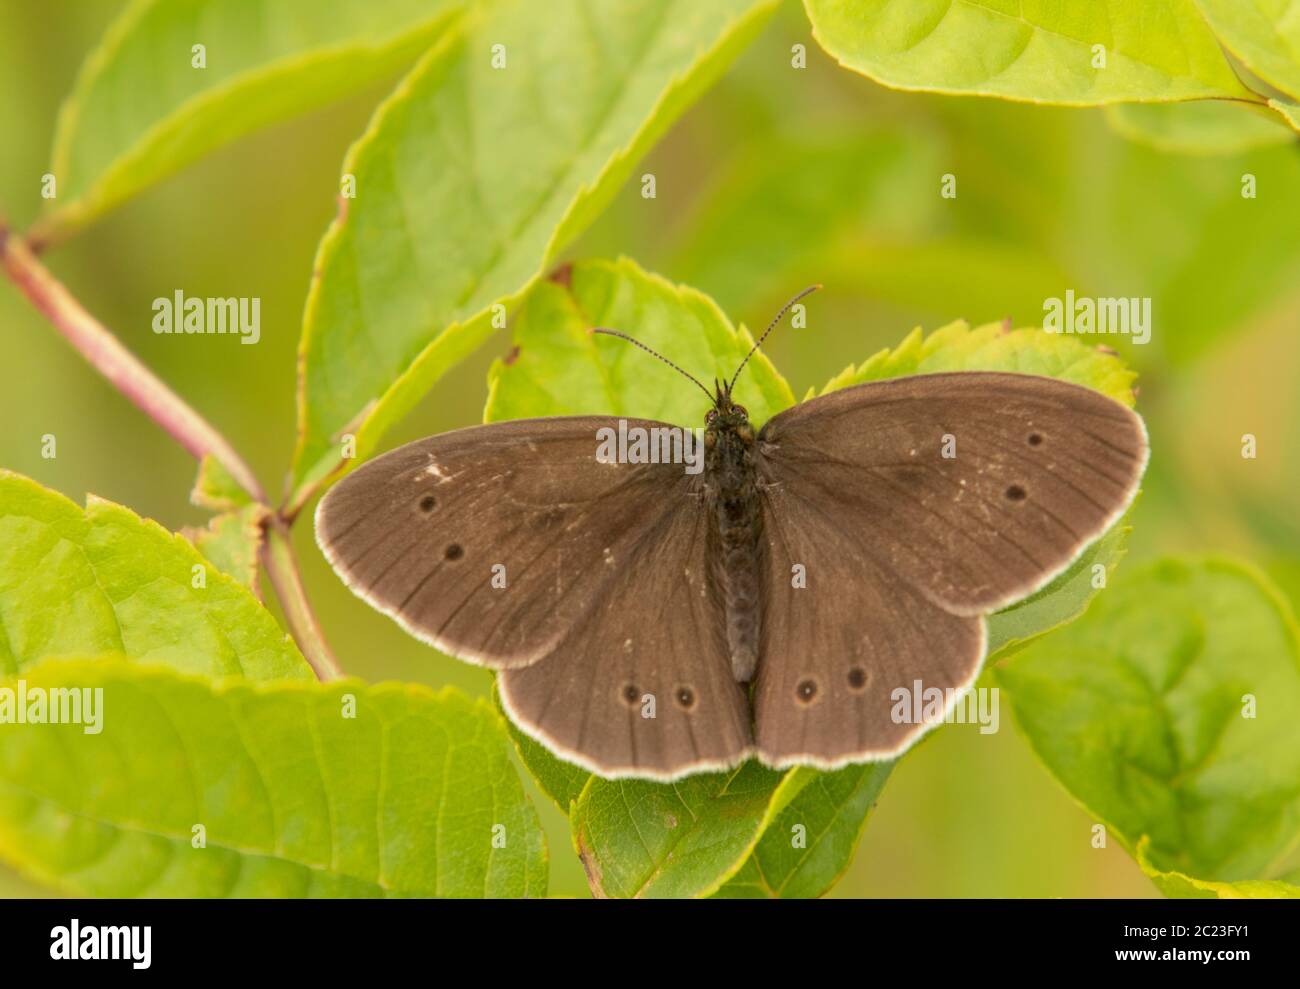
645 687
840 636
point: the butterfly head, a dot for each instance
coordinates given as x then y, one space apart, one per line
726 413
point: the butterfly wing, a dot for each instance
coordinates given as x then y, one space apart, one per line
491 542
647 689
916 505
512 545
839 636
978 487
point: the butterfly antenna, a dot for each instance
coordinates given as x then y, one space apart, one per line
655 353
770 327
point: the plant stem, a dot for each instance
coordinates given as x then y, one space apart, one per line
282 567
122 368
152 396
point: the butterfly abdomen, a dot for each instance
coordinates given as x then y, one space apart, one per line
731 484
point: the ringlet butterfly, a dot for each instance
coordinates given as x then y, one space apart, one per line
649 621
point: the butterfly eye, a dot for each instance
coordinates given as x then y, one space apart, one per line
741 410
711 416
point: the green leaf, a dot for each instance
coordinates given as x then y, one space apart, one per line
530 154
1175 885
1061 601
679 839
106 580
231 542
1289 110
995 347
296 794
216 489
1264 34
1039 52
1284 571
1141 710
558 367
141 111
1199 128
810 841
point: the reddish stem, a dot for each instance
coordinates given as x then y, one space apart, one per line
122 368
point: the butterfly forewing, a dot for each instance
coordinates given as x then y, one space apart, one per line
977 487
493 542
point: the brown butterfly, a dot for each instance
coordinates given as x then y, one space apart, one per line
653 622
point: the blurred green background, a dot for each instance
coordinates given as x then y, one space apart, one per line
764 186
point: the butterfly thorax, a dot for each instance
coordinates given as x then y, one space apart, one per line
731 494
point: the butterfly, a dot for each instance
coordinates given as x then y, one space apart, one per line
653 621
